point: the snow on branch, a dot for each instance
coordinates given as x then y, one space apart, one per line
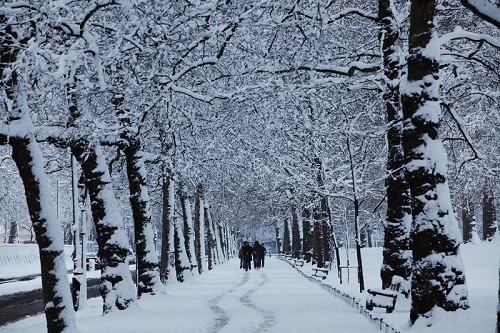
192 94
326 69
484 9
460 33
354 11
190 67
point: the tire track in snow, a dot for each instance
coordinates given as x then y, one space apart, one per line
269 320
221 317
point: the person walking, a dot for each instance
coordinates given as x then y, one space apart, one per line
246 252
264 251
257 254
240 255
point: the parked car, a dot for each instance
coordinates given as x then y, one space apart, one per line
92 257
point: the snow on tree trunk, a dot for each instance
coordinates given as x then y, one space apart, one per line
13 233
181 260
489 215
317 245
187 218
28 157
325 229
438 278
219 243
307 238
147 260
396 251
167 223
199 229
26 153
117 287
287 246
467 217
209 240
295 234
326 233
278 239
473 236
214 247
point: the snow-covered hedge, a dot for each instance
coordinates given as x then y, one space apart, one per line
20 254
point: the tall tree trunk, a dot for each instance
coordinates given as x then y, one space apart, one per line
220 243
438 278
217 241
147 261
489 215
307 235
326 233
278 238
117 287
287 246
59 311
27 155
167 223
181 260
199 230
187 218
317 244
209 241
13 233
295 234
396 251
467 218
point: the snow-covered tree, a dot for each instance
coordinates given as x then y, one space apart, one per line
17 131
199 228
296 241
396 252
438 278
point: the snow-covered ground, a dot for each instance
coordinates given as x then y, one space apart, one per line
279 299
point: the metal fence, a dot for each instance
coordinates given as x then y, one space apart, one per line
377 322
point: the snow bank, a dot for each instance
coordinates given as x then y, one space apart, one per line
24 259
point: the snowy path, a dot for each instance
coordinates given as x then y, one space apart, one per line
274 299
277 299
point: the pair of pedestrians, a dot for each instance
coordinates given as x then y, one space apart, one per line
247 253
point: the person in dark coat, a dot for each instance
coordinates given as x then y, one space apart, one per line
246 252
264 251
257 254
240 255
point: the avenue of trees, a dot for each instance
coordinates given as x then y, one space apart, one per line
193 123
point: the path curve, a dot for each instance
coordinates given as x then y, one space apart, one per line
221 317
269 319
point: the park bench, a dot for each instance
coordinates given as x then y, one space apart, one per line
322 272
383 298
298 262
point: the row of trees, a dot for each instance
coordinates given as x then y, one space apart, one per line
269 105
